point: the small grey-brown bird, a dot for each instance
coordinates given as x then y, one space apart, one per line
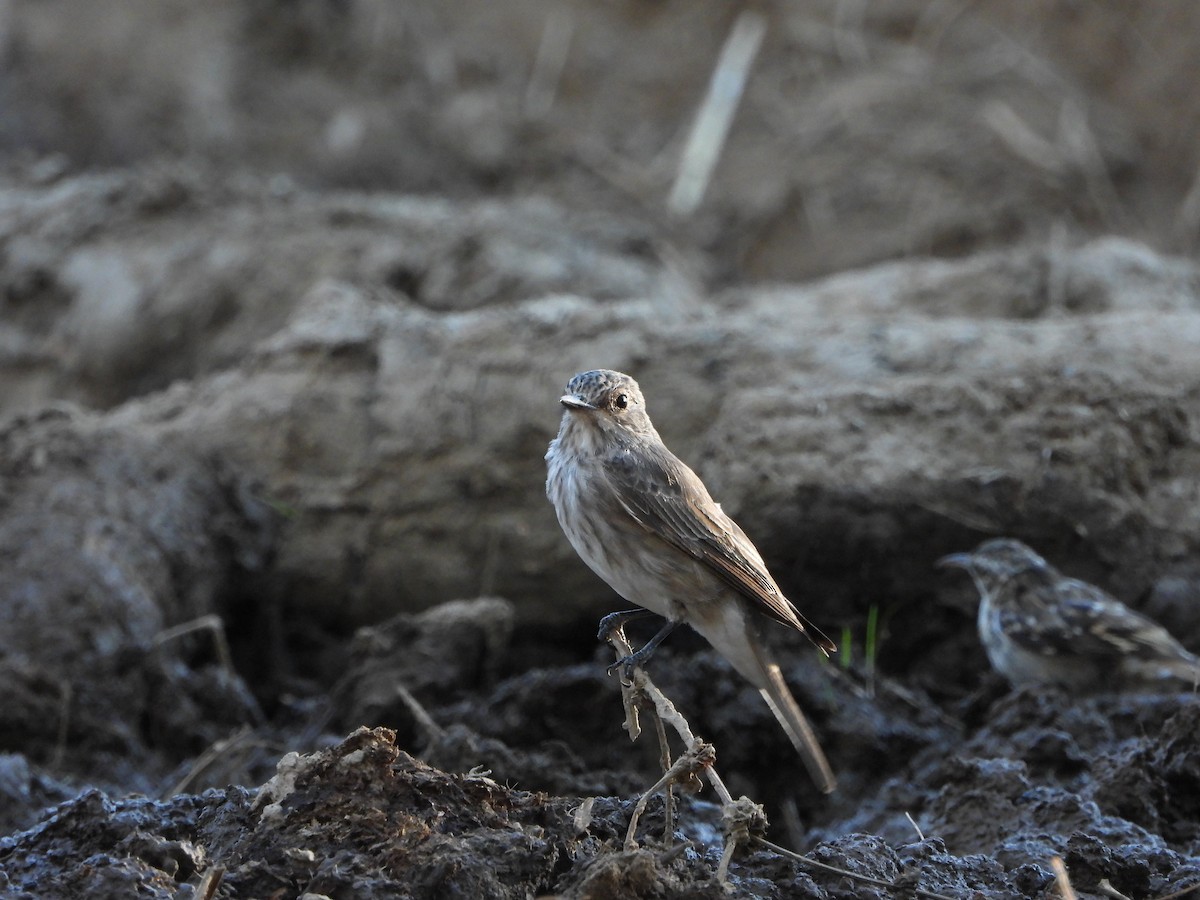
1038 626
644 522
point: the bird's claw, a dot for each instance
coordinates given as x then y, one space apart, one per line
615 621
627 664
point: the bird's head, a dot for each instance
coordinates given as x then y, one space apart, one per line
607 402
995 561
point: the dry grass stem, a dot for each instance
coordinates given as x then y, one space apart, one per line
431 729
1106 889
551 59
846 873
212 623
715 117
238 741
1061 879
916 827
209 882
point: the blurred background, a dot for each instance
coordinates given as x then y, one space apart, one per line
866 131
289 290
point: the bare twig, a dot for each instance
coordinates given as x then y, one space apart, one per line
669 797
715 116
642 685
743 820
1021 140
961 517
1083 148
741 816
699 757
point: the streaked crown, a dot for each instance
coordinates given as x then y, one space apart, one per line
997 560
606 389
607 401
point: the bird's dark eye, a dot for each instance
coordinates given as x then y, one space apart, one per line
621 401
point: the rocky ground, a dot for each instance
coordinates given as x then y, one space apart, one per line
289 291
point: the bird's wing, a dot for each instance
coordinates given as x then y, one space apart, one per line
1085 621
670 501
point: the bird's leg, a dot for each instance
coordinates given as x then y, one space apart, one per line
638 658
615 620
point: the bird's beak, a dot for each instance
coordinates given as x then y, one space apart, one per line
955 561
574 401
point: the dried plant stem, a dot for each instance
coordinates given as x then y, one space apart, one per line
1061 879
742 817
664 749
240 740
641 688
711 128
209 882
846 873
698 757
211 623
550 61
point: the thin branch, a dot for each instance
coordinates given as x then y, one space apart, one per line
743 820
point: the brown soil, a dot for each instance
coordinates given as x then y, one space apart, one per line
288 291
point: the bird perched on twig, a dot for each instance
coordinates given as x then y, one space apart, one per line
644 522
1038 626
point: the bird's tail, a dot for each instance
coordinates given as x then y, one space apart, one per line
788 712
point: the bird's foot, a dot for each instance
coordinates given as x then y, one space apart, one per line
616 620
626 664
636 659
